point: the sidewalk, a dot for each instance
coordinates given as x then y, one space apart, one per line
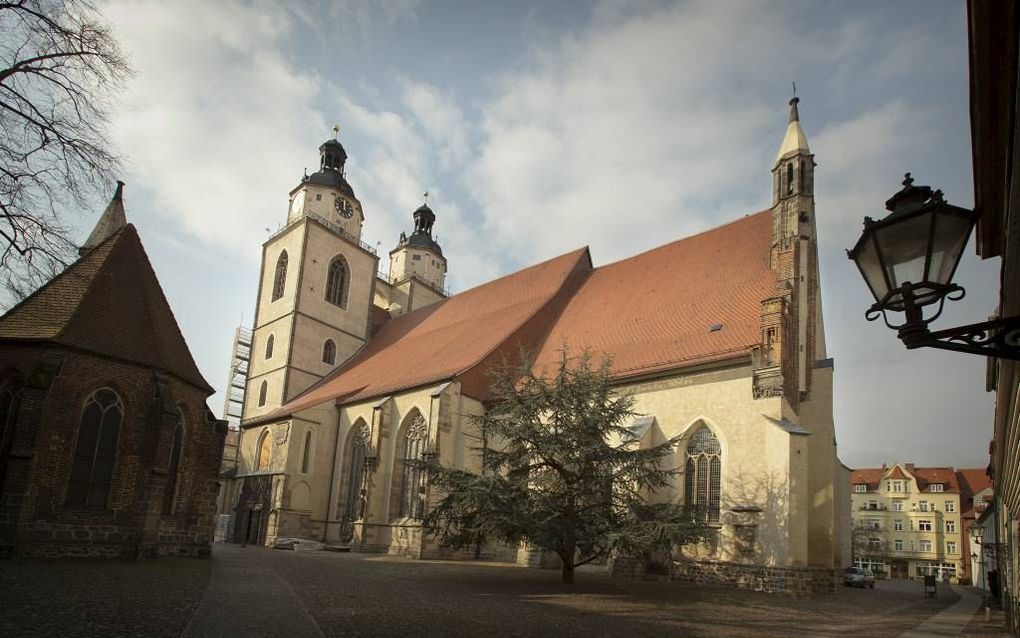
952 621
246 598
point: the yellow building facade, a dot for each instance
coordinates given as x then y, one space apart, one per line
907 521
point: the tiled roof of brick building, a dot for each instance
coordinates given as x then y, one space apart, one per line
973 480
107 302
651 312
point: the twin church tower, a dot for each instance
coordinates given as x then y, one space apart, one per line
321 291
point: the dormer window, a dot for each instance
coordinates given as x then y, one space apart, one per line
861 487
936 487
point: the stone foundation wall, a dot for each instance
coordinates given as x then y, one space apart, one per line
795 581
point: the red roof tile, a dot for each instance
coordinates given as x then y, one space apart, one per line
653 311
108 302
973 481
443 340
869 476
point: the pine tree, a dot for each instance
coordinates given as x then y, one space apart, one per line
562 471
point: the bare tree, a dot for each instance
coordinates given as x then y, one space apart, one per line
60 70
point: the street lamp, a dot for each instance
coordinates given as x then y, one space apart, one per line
908 261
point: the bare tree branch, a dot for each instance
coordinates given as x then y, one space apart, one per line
60 72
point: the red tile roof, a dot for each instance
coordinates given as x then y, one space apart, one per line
870 477
445 339
654 311
973 481
651 312
108 302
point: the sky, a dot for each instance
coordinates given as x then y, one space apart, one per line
538 128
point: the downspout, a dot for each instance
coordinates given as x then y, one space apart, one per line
332 476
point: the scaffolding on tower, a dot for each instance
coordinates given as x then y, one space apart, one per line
233 405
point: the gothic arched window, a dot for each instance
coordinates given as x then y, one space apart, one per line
306 457
412 494
357 479
336 282
789 178
280 279
173 468
702 474
329 352
96 449
263 451
263 389
269 347
11 386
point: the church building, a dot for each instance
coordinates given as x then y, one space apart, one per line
718 337
107 447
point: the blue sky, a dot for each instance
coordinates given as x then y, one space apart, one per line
542 127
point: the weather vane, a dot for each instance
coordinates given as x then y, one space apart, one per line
336 130
794 89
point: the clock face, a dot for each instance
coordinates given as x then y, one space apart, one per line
344 208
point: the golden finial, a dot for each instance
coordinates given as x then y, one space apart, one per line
425 195
336 130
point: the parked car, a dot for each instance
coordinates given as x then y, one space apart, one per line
858 577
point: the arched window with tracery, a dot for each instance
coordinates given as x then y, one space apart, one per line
702 474
95 451
269 347
263 390
280 278
263 452
11 386
173 468
357 479
336 282
789 178
412 492
329 352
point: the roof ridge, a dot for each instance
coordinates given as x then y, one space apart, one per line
166 302
687 238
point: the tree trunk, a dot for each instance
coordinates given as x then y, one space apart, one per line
568 573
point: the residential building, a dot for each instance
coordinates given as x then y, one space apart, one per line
909 521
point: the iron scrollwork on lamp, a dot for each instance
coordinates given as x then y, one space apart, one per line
908 261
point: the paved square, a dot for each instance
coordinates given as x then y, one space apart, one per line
259 592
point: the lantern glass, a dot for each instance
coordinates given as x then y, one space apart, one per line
871 268
904 247
948 242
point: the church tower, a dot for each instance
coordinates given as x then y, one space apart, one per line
417 268
794 254
315 288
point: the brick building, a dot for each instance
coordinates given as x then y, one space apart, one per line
107 447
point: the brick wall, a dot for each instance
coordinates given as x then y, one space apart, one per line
795 581
34 516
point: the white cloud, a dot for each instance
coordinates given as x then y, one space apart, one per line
441 118
215 123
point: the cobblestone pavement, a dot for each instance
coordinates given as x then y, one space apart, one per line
96 597
332 594
363 595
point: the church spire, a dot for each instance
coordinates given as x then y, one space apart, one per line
794 141
112 220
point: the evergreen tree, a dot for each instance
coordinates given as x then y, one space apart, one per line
561 471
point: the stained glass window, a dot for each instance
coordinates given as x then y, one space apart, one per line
96 450
703 469
336 282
